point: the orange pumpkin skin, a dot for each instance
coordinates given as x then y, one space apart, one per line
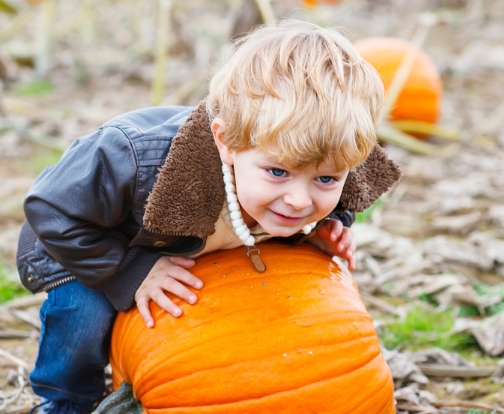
295 339
420 98
311 3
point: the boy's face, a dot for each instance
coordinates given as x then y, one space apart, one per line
281 199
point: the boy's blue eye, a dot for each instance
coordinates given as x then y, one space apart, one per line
277 172
325 179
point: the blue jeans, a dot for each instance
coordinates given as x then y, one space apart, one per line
74 344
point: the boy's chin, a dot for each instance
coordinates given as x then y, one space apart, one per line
285 232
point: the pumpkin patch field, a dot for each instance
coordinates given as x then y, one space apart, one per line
418 327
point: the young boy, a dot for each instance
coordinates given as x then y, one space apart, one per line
284 146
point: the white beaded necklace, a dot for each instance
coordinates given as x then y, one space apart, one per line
239 226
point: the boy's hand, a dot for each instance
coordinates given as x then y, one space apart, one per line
335 240
169 274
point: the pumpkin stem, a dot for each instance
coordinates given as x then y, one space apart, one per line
121 401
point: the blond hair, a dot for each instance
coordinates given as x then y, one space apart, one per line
300 90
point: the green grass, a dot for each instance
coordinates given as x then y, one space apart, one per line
365 216
483 289
424 327
488 290
6 7
9 289
41 159
35 88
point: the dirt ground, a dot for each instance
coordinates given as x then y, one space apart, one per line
439 232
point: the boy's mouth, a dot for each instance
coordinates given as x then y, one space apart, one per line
287 219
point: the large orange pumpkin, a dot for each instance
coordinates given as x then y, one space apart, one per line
420 98
295 339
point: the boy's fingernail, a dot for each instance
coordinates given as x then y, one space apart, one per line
199 285
177 312
192 299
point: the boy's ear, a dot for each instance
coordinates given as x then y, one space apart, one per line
218 128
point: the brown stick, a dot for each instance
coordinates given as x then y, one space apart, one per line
441 370
468 404
15 334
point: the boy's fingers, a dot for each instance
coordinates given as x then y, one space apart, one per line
164 302
193 281
178 289
143 309
344 247
336 229
182 275
346 236
346 241
351 263
182 262
350 258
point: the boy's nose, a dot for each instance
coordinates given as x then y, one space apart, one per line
299 199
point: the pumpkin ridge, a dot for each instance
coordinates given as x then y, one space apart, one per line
259 281
263 397
250 276
331 372
200 409
290 350
322 341
276 393
119 350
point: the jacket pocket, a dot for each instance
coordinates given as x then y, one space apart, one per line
36 269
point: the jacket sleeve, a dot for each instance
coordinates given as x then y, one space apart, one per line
347 217
76 207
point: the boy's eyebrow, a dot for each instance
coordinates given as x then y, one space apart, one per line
273 159
334 174
332 171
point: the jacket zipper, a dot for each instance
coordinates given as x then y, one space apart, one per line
59 283
171 233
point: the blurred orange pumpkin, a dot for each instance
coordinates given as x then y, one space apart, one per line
420 98
315 2
295 339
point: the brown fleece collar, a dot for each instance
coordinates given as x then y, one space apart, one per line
369 180
189 193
